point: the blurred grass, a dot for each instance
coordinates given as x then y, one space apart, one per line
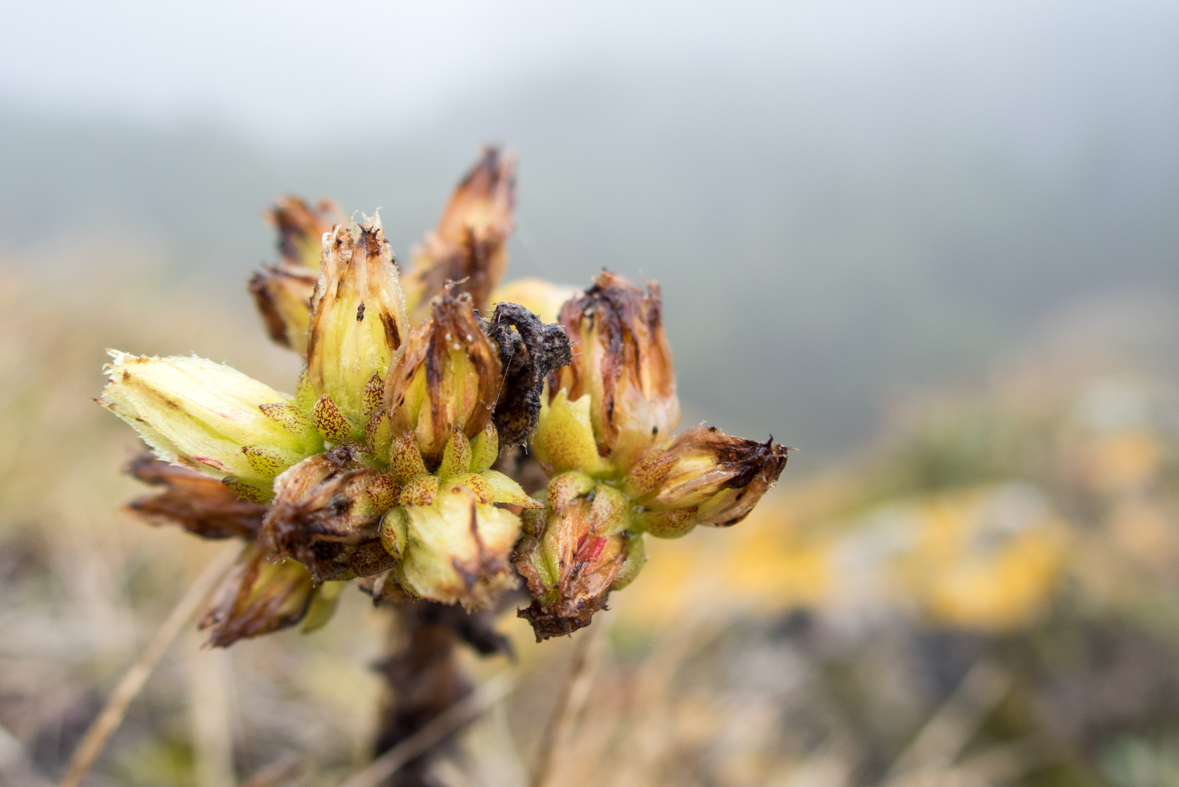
987 596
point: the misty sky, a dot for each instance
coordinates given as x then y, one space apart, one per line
297 72
897 191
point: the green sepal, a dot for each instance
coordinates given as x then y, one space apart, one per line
323 605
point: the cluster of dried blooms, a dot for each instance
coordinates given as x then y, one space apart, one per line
427 398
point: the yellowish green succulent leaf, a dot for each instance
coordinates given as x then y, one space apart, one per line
484 449
330 421
676 523
420 491
393 531
565 436
323 606
506 490
456 458
405 458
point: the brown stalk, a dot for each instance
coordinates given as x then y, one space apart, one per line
434 732
424 679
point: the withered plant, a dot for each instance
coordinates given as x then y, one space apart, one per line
454 446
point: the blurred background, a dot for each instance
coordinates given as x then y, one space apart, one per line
934 246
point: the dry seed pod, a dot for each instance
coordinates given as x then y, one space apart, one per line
258 597
301 228
576 552
283 295
326 515
283 292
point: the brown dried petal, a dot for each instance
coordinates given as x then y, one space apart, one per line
301 227
282 295
198 503
470 244
624 361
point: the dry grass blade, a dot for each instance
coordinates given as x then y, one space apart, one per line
281 771
116 707
424 739
572 698
946 734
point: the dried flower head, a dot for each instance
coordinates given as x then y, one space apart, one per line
379 468
703 477
575 553
448 378
623 362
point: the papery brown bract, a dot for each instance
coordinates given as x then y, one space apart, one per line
200 504
358 317
469 246
326 513
448 377
258 597
623 361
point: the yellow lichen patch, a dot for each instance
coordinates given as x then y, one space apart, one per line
985 558
1123 460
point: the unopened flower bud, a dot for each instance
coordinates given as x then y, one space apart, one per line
326 514
469 246
456 549
623 362
258 597
358 319
574 556
704 476
208 417
447 380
